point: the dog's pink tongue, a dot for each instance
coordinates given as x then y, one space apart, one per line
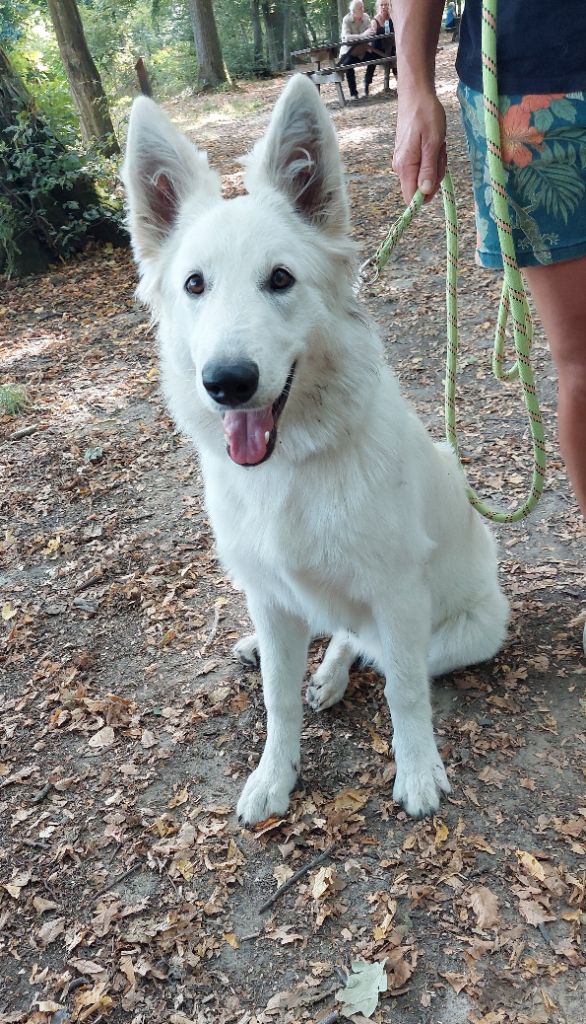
246 434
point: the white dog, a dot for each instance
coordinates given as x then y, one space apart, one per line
330 504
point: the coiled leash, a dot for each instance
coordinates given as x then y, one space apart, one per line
513 296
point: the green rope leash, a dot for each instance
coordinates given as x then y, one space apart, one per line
513 297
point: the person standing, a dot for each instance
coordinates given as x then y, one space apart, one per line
356 34
541 71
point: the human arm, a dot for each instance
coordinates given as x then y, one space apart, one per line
347 36
346 33
420 144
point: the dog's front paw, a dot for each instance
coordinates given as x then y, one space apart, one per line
246 650
326 688
419 787
266 793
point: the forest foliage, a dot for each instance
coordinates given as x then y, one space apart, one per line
44 146
160 31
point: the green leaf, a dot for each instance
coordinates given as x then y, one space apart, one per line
564 109
558 187
361 992
565 134
543 119
559 152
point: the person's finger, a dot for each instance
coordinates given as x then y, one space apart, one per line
407 173
429 177
442 164
408 177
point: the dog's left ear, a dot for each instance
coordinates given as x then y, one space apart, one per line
299 156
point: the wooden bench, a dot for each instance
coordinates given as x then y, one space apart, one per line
309 62
387 63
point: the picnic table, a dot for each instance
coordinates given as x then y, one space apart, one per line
325 67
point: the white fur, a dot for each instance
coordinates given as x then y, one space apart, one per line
357 525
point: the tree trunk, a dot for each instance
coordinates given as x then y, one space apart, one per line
286 37
14 96
143 77
342 12
308 23
44 192
302 25
335 20
257 47
83 76
272 20
211 70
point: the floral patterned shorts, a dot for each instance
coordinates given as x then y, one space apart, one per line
543 140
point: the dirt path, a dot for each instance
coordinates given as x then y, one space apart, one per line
128 892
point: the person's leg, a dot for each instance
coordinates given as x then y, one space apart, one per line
347 60
368 78
559 291
351 76
558 288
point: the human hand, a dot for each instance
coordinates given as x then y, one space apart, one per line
420 144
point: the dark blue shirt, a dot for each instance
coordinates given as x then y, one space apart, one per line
541 46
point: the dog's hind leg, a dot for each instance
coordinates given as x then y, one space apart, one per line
328 685
246 650
283 639
471 636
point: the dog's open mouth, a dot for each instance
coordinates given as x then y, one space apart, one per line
251 434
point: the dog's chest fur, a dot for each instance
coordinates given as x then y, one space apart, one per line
305 533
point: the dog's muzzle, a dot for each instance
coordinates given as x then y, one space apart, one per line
251 434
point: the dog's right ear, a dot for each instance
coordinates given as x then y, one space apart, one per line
161 171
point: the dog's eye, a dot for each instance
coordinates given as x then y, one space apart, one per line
281 279
195 284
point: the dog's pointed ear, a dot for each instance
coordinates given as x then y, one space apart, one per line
161 170
299 156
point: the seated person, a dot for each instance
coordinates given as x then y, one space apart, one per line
356 29
382 25
450 22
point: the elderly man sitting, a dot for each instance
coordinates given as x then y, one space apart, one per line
356 27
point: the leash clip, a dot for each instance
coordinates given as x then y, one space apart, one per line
371 264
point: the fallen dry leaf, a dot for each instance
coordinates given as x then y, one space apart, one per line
533 912
484 903
103 738
531 865
51 930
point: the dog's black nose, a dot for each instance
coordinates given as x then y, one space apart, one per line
230 383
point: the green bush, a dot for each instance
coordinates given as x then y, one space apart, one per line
49 202
173 68
36 59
